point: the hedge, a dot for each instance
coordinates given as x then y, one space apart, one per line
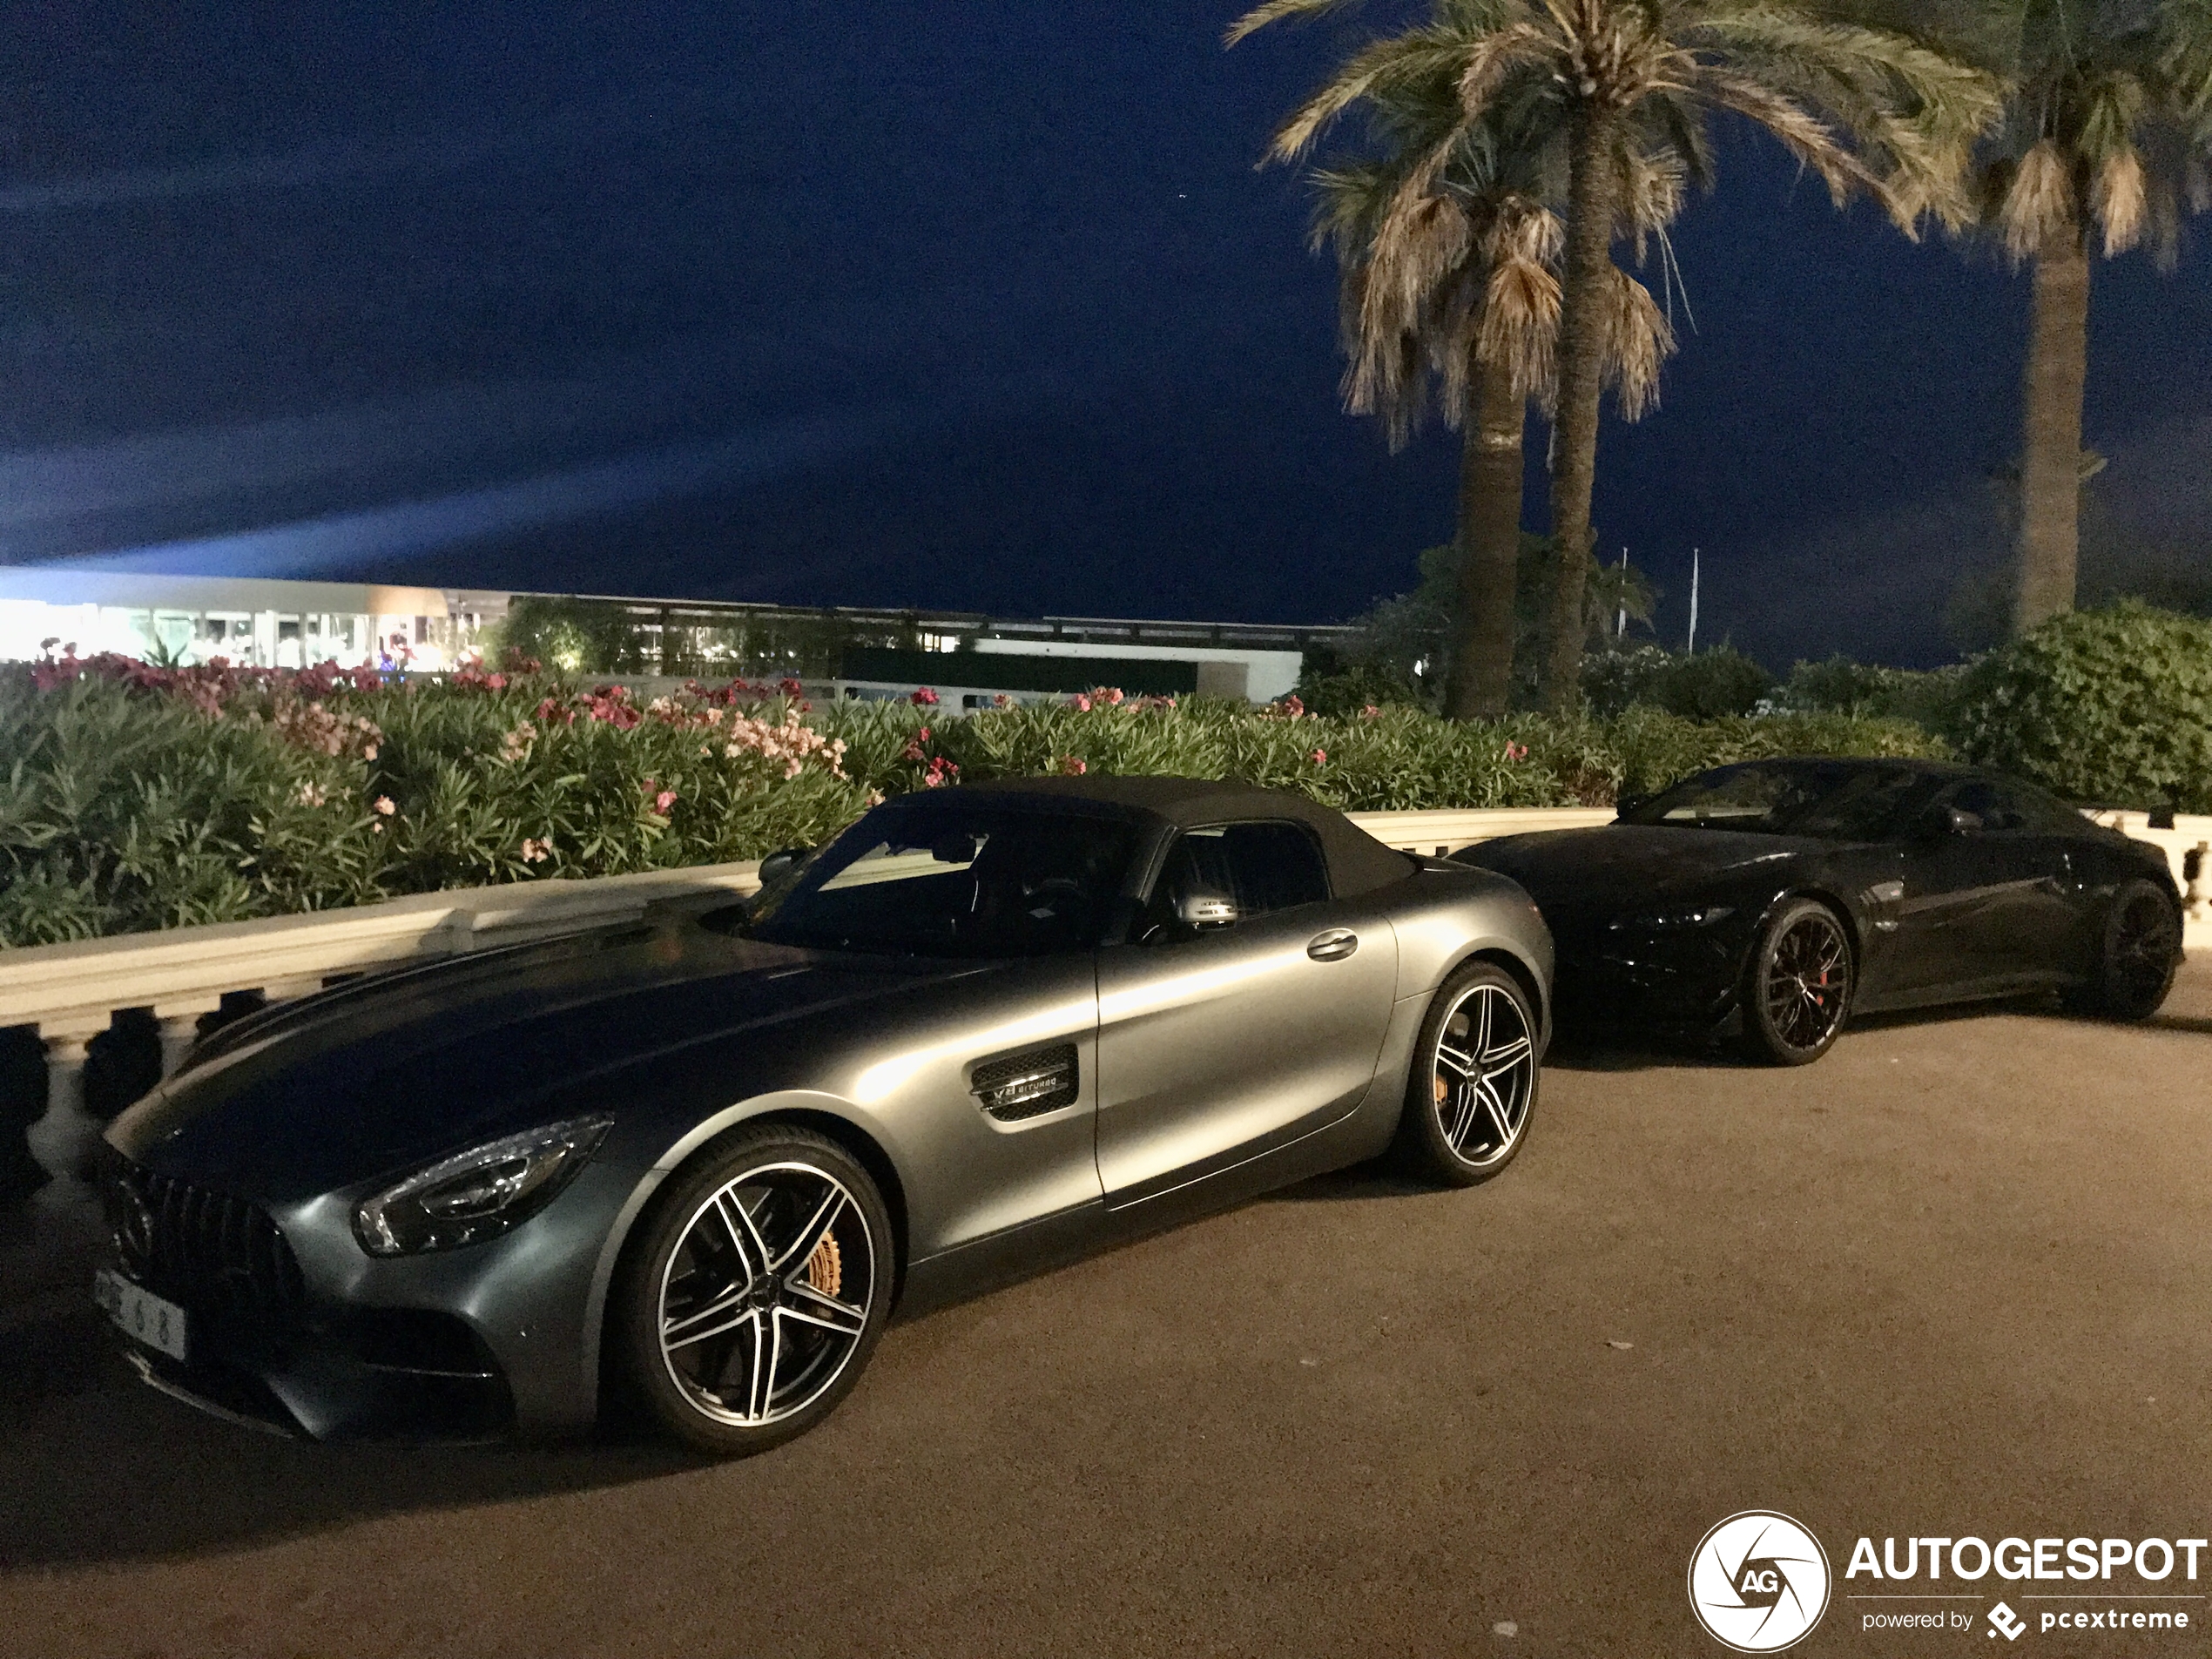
2113 706
135 797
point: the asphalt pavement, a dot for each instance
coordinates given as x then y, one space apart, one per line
1953 1280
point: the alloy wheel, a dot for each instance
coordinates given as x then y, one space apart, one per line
767 1293
1484 1074
1806 984
2142 946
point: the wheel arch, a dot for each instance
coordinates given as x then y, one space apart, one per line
1827 896
702 1143
1523 975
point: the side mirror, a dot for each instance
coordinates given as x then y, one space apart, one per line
778 865
1623 804
1202 909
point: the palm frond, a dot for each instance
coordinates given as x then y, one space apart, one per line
1638 340
1520 326
1797 130
1401 60
2037 206
1275 11
2119 198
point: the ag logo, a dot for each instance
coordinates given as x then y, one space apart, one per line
1758 1581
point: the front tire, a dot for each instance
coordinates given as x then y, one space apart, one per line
758 1288
1474 1080
2137 949
1797 985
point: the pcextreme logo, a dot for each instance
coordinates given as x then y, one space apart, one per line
1758 1581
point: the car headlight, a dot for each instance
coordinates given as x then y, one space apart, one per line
1676 921
478 1194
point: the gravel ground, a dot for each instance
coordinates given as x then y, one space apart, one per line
1951 1280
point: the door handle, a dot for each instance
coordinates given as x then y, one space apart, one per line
1333 946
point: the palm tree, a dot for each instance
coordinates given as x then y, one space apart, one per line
1453 279
2106 129
1865 108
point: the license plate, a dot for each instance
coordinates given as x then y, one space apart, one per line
139 1313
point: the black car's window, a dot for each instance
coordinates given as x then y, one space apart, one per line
1838 801
2003 805
945 880
1258 868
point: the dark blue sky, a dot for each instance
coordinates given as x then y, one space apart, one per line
909 304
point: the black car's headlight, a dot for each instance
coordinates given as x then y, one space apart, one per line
478 1194
1670 921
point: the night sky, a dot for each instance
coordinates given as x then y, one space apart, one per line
971 307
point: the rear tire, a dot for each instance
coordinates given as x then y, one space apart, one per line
1474 1080
759 1283
2137 947
1797 985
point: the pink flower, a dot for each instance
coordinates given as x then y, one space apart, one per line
537 851
1082 704
1000 700
1370 712
1319 757
1516 751
384 806
1293 706
663 801
923 697
941 771
1072 766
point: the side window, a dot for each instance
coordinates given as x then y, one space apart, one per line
1998 806
1255 868
2047 814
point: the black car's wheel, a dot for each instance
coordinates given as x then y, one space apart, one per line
757 1290
1797 984
2137 952
1473 1084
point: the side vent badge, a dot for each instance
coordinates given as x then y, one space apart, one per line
1029 1084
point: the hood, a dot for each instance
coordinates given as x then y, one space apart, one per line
1622 864
386 1071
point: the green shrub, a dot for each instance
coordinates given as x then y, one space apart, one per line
1349 691
1615 680
1711 685
1842 686
2111 705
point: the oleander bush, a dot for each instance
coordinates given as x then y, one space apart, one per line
134 798
2113 705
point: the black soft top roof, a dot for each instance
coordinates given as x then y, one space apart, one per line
1358 862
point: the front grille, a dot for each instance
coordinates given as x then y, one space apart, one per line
216 1256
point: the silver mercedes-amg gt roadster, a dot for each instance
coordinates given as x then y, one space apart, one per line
694 1165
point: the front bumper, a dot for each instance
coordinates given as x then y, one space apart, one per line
293 1327
1687 980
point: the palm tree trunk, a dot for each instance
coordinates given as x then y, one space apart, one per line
2058 360
1581 364
1490 474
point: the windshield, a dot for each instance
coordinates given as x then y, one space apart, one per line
936 879
1842 802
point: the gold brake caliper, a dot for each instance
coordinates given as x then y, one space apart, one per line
825 1267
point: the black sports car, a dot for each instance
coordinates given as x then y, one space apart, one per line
1776 898
981 1031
